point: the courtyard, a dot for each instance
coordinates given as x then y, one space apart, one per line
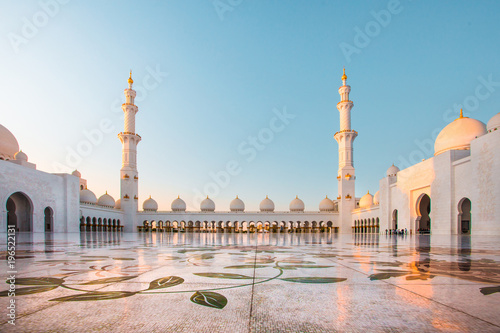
262 282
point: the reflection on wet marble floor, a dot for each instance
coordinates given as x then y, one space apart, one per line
253 283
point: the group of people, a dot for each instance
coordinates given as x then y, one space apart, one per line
396 231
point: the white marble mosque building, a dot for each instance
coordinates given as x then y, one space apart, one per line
455 191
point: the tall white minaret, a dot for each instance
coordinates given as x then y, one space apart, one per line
129 177
346 176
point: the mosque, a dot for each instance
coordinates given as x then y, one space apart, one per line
454 192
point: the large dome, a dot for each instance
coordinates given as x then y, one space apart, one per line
118 204
493 123
326 205
178 205
458 134
297 205
88 197
8 144
267 205
237 205
392 171
150 204
366 200
106 200
207 205
376 198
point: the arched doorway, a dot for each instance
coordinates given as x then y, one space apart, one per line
20 212
423 221
464 216
49 219
394 219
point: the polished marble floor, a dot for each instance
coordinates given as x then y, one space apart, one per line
192 282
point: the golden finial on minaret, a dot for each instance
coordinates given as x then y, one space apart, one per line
130 81
344 77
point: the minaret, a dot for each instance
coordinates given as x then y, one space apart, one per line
346 176
129 178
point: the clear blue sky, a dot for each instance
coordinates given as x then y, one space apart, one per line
64 69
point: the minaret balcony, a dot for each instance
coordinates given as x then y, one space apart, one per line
129 133
345 131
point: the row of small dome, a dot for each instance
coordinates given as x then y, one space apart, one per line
207 205
369 200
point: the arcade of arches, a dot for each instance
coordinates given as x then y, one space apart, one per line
100 224
238 226
366 226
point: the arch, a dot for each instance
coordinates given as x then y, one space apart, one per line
20 212
48 219
251 227
153 225
464 216
423 208
394 224
89 221
259 226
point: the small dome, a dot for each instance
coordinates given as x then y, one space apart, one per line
88 197
326 205
392 171
207 205
77 173
150 205
106 200
8 144
458 134
118 204
178 205
366 200
237 205
297 205
493 123
267 205
20 156
376 198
